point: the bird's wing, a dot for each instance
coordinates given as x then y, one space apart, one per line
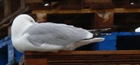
55 34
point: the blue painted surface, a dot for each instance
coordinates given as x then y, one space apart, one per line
7 54
3 50
18 55
108 44
3 56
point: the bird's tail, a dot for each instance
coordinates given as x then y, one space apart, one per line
84 42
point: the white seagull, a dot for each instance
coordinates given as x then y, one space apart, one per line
28 35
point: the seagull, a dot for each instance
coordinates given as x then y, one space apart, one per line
28 35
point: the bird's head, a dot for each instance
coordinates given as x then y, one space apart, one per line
20 24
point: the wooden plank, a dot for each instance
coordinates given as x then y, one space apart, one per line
33 1
84 57
98 1
86 52
51 11
39 61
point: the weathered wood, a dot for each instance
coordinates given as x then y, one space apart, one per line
19 11
39 61
33 1
52 11
83 57
7 7
98 1
103 19
22 61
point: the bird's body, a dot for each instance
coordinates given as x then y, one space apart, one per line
27 35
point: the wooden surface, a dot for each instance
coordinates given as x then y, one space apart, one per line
83 57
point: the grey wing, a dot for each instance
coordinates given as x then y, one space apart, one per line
55 34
